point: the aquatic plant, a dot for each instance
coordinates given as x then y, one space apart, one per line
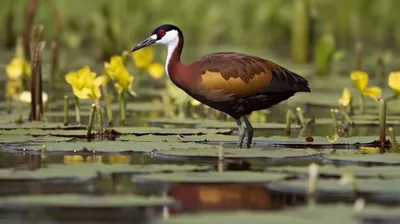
123 81
360 80
144 59
85 85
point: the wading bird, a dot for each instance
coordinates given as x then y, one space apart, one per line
234 83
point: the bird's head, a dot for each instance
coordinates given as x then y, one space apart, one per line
166 34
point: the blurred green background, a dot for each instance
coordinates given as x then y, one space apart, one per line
321 33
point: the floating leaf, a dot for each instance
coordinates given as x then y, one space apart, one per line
264 154
90 170
211 177
335 171
84 201
359 158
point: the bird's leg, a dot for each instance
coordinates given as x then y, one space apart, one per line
241 132
250 131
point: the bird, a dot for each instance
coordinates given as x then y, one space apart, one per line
234 83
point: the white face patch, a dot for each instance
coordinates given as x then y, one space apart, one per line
171 40
153 37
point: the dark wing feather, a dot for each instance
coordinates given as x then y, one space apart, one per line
246 67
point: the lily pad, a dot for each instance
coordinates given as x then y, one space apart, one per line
83 201
359 158
111 146
37 125
368 188
211 177
334 171
256 126
252 154
213 124
90 170
20 139
169 131
303 215
285 141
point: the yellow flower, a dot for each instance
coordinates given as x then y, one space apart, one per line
13 87
394 81
143 57
17 67
360 80
156 70
85 84
346 98
372 92
117 72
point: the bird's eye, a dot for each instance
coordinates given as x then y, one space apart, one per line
161 33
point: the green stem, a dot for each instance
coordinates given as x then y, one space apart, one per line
300 115
66 110
382 123
99 116
334 118
122 108
393 141
107 100
91 119
346 116
289 116
362 106
9 104
77 111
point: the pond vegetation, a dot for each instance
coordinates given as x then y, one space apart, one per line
92 133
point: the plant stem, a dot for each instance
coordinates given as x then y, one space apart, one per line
362 106
300 115
122 108
91 119
382 123
358 55
393 141
66 111
107 100
221 159
346 116
77 111
334 118
289 116
99 116
9 104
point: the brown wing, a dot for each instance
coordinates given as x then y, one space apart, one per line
244 75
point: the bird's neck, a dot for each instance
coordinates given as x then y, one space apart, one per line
173 62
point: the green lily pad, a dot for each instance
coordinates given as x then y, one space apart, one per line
358 158
211 177
213 153
333 187
20 139
319 141
90 170
84 201
215 124
120 130
303 215
256 126
334 171
111 146
37 125
169 131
